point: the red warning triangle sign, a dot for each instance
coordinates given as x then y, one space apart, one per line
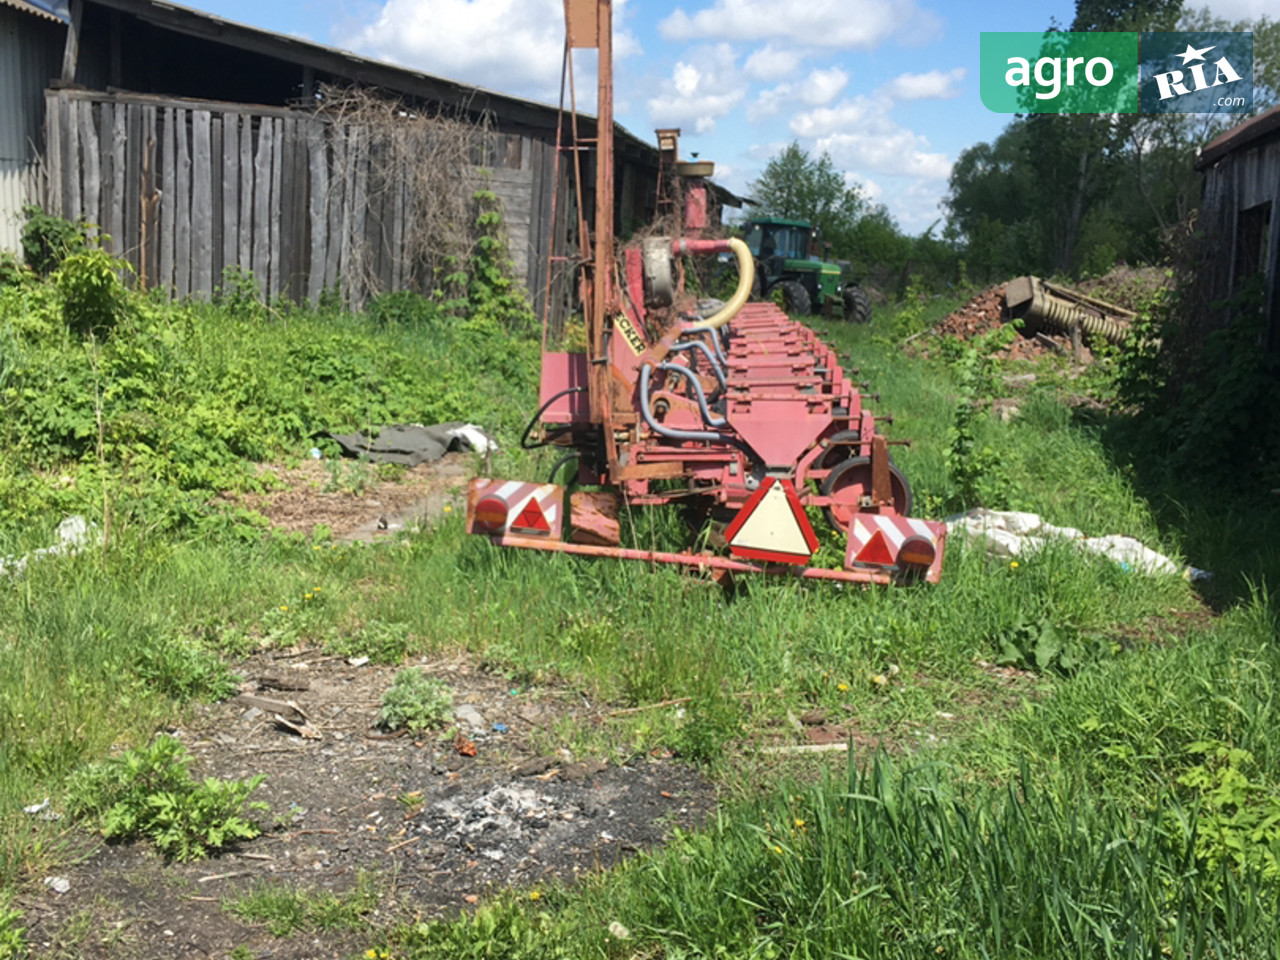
531 519
772 526
876 551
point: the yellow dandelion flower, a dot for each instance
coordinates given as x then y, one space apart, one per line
535 895
284 607
1013 564
799 823
316 547
371 954
315 589
448 508
777 849
842 687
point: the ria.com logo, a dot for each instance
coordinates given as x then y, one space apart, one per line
1209 72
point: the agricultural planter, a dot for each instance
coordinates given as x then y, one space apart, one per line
737 411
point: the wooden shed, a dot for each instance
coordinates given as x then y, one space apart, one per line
1240 216
195 144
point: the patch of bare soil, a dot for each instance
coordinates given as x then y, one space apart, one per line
436 826
308 496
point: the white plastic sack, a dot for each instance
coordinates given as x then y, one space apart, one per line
74 534
1008 534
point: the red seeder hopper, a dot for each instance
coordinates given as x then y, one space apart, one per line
739 412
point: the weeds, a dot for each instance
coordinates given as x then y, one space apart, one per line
286 909
415 702
148 792
977 471
12 936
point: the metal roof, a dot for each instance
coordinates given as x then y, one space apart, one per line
343 63
1239 136
32 9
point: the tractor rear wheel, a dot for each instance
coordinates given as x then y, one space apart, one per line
850 481
795 298
857 305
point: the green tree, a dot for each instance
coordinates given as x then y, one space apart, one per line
796 185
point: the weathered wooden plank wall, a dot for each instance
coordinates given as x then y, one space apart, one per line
186 189
1239 222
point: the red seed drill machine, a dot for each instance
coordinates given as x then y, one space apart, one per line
741 412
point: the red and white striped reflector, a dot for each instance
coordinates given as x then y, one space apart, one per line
526 509
882 540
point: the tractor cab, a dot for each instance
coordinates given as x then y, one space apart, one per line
790 267
785 239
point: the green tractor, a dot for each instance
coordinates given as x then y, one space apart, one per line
788 263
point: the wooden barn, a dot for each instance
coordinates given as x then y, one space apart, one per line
197 144
1240 216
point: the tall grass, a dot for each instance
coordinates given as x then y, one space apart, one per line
1055 827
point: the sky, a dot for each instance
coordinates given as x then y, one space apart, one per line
888 88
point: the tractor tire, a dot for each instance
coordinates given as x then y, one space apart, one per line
795 298
857 305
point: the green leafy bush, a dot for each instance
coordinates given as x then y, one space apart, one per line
415 701
149 793
47 240
976 469
93 297
1238 820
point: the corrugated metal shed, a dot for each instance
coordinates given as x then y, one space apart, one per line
30 55
31 8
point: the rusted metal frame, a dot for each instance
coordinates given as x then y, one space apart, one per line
697 561
881 482
604 295
555 190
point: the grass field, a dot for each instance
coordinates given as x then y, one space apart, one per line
1126 807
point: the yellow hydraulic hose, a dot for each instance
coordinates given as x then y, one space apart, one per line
746 277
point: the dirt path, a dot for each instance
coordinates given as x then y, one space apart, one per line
437 829
347 497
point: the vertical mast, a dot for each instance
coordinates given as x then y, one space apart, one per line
602 255
589 24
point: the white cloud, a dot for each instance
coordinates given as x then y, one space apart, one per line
827 120
915 205
808 23
871 190
934 85
861 136
771 63
820 87
702 89
512 46
894 149
1240 9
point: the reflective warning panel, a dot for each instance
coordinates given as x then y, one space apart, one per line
772 526
904 543
497 507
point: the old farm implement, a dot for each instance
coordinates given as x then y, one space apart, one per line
738 410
